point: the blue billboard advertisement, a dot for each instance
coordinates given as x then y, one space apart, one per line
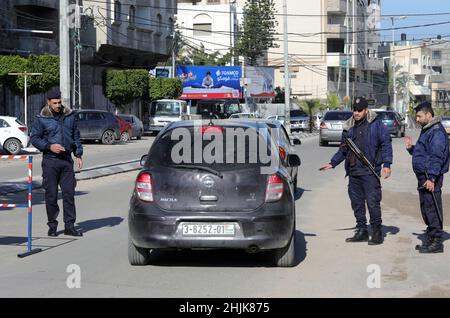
200 82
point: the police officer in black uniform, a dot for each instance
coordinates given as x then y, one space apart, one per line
56 135
430 161
370 135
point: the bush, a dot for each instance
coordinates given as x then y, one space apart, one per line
160 88
121 87
48 65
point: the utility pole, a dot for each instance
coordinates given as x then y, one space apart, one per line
347 44
76 88
25 76
64 54
287 88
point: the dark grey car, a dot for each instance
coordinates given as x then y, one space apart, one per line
330 129
215 205
98 125
136 123
393 122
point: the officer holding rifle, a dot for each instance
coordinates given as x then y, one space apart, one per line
366 147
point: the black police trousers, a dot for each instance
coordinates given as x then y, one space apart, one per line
427 205
60 172
364 190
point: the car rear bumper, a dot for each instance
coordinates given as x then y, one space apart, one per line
261 230
330 135
155 128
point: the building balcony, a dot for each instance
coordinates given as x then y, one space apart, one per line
337 6
37 45
336 60
337 31
38 3
439 78
374 64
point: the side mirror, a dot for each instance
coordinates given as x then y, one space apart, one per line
295 142
294 161
143 160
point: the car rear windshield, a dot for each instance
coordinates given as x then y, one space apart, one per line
298 113
19 122
337 116
128 119
386 115
218 150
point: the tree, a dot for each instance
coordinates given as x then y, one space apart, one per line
124 86
48 65
190 55
258 30
333 101
160 88
280 95
311 104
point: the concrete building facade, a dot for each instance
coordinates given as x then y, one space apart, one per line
114 34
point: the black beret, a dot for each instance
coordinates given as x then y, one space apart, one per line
54 94
360 103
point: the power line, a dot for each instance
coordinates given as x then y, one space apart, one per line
178 8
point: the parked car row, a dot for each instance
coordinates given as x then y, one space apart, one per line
332 122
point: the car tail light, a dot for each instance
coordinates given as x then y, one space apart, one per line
323 125
23 129
282 153
144 188
275 188
211 129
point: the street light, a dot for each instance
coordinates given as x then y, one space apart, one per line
393 18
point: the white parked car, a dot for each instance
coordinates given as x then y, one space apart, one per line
13 135
280 118
244 115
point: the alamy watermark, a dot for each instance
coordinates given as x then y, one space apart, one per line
74 278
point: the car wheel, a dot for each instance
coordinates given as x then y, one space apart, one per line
125 137
13 146
139 137
137 256
285 257
399 133
323 143
108 137
404 132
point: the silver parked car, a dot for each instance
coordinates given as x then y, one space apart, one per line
331 126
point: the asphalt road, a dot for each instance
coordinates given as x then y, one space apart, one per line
327 266
94 154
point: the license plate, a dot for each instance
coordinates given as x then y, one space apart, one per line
336 127
207 229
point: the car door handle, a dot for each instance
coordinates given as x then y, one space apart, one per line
208 198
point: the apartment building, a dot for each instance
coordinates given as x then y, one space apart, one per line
440 77
212 24
114 34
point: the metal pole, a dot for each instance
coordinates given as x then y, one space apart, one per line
30 191
64 54
287 92
347 88
25 100
393 66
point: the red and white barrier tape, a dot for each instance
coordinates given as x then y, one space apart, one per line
13 157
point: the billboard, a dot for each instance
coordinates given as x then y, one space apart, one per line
260 81
215 82
160 71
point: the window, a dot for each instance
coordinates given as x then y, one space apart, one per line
415 61
3 124
117 12
202 29
436 55
437 69
335 45
171 26
95 116
132 16
159 23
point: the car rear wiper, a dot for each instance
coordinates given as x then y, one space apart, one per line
193 167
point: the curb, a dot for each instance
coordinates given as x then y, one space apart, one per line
19 185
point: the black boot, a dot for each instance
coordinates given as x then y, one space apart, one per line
436 246
52 232
361 235
377 238
72 232
427 242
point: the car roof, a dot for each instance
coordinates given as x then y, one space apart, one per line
92 111
242 122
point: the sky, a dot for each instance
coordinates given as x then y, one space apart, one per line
414 7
